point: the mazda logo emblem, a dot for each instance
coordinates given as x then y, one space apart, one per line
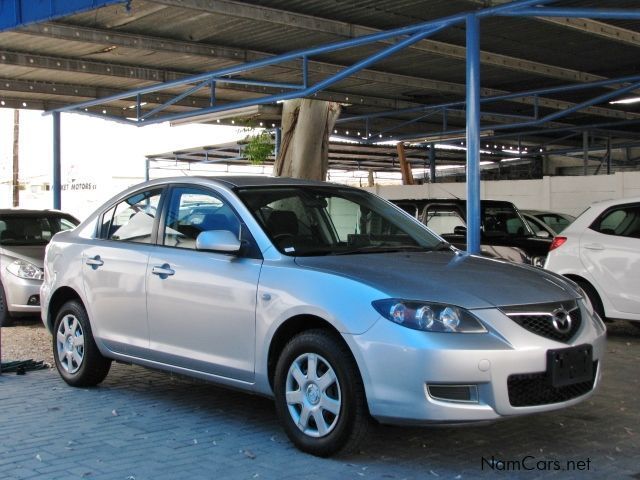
561 320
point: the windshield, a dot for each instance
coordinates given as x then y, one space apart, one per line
307 221
32 229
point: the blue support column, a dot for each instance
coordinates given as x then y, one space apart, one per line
432 163
473 134
57 171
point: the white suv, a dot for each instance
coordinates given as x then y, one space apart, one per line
601 252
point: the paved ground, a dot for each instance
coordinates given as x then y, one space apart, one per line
145 425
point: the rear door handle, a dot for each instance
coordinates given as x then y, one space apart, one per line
594 246
95 262
163 271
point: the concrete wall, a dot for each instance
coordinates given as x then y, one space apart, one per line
561 194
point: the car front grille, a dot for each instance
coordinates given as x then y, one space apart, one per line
530 389
539 319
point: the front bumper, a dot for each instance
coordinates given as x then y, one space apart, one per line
20 294
397 364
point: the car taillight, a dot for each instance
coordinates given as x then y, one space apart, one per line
557 242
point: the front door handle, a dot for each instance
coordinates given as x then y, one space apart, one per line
594 246
95 262
163 271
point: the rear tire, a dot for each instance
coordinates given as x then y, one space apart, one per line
77 357
319 395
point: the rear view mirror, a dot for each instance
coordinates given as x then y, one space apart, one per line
543 234
460 230
218 241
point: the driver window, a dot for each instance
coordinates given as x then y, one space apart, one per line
193 211
132 220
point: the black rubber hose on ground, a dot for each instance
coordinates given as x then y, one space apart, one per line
20 367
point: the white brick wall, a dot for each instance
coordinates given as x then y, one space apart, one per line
561 194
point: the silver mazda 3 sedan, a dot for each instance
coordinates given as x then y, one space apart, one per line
335 302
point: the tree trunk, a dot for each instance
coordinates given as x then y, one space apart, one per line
16 157
306 126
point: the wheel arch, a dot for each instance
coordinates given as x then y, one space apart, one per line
294 326
61 296
581 280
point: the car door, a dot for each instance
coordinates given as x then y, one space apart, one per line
610 251
202 304
114 272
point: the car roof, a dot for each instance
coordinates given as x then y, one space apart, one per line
262 181
613 203
28 211
454 201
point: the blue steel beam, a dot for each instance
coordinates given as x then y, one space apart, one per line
362 64
572 128
417 29
57 170
599 13
574 150
473 134
15 13
536 122
496 98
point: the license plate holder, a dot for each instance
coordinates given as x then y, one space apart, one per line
568 366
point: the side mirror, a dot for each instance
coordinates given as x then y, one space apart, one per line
218 241
460 230
543 234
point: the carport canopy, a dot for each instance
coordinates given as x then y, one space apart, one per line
535 74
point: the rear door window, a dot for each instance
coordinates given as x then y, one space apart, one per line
619 221
133 219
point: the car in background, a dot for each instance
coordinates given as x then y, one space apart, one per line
504 233
24 234
556 221
600 251
327 298
540 228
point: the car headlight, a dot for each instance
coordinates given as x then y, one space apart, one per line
24 269
428 317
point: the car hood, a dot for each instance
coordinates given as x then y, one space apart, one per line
459 279
30 253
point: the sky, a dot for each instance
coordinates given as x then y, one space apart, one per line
93 151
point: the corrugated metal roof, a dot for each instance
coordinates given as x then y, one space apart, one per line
165 39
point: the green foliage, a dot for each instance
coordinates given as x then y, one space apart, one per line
258 147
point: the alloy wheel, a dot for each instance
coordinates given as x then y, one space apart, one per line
313 395
70 344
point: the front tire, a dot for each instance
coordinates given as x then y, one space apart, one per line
77 357
319 394
5 317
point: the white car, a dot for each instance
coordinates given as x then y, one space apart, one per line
600 251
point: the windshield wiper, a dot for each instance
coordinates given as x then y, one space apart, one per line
382 249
